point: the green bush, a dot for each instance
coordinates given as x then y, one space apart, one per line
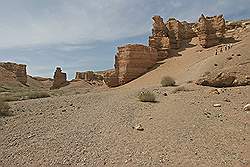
167 81
4 109
146 96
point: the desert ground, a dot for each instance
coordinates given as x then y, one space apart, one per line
188 125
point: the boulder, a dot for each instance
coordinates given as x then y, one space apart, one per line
220 81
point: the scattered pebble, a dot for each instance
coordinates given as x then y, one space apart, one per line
165 94
247 107
139 127
217 105
229 58
238 54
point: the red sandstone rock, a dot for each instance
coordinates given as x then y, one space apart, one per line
60 79
18 69
171 35
88 76
211 30
111 79
160 38
131 62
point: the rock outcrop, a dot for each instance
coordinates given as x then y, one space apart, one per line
19 71
221 80
60 79
131 61
181 32
211 30
160 39
88 76
170 35
111 79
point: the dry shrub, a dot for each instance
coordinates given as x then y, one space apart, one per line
167 81
4 109
36 95
146 96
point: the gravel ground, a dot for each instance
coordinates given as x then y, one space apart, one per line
96 129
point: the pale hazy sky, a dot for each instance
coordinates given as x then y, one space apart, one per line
81 35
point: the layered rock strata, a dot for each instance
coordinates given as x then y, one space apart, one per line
19 71
131 61
60 79
210 30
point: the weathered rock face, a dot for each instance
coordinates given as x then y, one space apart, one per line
18 69
180 32
211 30
160 38
88 76
111 79
131 62
60 79
169 36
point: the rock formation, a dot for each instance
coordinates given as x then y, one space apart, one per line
211 30
181 32
111 79
60 79
171 35
131 62
88 76
18 69
160 39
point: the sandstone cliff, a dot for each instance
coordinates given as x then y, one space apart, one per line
19 70
131 61
211 30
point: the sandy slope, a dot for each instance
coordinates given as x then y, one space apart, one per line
95 129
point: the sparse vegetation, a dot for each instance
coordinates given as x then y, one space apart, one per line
4 109
146 96
167 81
181 89
36 95
17 96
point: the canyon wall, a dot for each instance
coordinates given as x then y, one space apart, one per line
210 30
131 61
18 69
88 76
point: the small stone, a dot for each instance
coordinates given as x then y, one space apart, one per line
165 94
247 107
217 105
139 127
227 100
238 54
215 64
64 110
229 58
247 77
